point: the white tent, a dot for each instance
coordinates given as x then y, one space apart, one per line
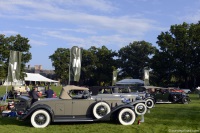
38 78
32 77
129 82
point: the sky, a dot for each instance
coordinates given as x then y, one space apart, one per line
53 24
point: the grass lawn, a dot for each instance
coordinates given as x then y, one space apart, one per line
163 118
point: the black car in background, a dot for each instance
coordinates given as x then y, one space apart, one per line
167 95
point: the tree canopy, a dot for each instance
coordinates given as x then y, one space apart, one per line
16 43
60 61
134 57
177 60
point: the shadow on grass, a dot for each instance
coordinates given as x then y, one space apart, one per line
13 121
86 123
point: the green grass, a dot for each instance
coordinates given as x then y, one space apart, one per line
163 118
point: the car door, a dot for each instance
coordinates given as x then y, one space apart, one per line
161 95
80 107
63 107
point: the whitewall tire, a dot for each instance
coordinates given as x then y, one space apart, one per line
140 109
149 103
126 116
101 109
40 119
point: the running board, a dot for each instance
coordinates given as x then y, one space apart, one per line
64 119
163 102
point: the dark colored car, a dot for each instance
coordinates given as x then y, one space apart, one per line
167 95
75 104
126 92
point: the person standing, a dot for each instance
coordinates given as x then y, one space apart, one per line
198 89
27 89
49 93
34 95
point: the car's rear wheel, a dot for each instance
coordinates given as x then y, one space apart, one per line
40 119
101 109
126 116
140 108
149 103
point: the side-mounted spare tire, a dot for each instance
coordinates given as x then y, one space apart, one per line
149 103
101 109
140 109
40 119
126 116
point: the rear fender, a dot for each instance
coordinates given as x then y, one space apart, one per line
37 107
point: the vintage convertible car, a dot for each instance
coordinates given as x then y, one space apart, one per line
167 95
121 91
75 104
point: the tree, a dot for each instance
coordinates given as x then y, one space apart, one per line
3 73
61 60
134 57
16 43
98 65
177 61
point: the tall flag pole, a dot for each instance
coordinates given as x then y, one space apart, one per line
75 64
114 79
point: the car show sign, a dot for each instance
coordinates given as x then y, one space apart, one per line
75 63
14 67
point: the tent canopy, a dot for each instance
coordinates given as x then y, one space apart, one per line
129 82
37 77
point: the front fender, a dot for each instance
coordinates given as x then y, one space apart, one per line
137 101
150 98
39 106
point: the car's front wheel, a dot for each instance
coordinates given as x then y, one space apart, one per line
140 109
101 109
40 119
149 103
185 100
126 116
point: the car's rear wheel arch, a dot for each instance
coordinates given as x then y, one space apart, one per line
42 107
